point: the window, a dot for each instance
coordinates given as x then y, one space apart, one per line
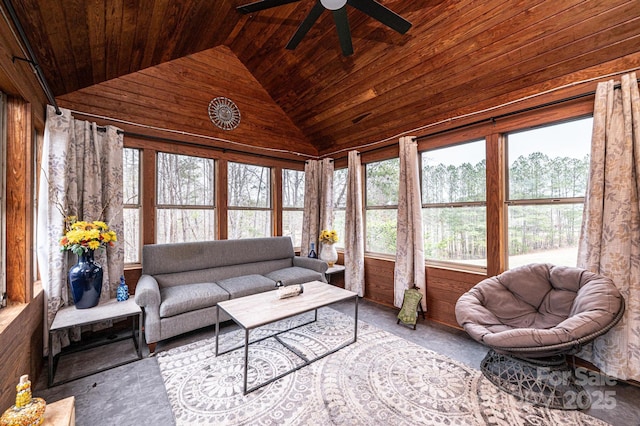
131 205
186 199
339 204
292 204
3 197
381 206
249 205
454 203
548 169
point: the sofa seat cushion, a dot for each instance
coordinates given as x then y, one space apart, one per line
246 285
295 275
190 297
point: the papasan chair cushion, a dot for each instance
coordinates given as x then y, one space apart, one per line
539 310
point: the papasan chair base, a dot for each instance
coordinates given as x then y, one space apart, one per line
547 382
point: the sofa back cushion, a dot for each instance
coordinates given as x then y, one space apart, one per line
183 257
211 275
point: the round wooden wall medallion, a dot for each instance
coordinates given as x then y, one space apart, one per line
224 113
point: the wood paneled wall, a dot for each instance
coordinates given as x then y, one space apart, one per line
444 287
176 95
20 347
22 321
17 78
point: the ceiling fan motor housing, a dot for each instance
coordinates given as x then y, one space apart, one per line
333 4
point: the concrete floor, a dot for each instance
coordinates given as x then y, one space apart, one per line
134 394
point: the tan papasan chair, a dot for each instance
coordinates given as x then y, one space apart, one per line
531 317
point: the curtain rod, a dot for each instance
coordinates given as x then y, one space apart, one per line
32 57
195 144
380 148
520 111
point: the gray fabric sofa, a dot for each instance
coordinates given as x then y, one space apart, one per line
181 283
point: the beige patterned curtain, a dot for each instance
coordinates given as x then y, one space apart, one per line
610 235
81 175
318 202
354 228
409 268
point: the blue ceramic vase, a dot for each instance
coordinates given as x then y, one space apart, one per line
85 278
122 292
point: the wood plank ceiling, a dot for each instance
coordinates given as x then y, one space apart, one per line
460 56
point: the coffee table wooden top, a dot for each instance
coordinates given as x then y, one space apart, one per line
264 308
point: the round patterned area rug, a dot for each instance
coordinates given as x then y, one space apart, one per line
381 379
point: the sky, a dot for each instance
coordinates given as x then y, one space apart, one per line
568 139
571 139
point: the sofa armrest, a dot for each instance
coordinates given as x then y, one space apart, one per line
147 292
147 296
310 263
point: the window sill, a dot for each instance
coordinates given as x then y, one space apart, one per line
380 256
458 267
9 313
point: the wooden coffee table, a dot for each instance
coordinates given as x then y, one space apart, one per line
253 311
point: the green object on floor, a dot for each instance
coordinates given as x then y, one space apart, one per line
410 304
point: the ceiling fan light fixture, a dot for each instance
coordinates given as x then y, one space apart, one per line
333 4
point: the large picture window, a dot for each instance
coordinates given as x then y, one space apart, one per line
548 169
249 202
131 205
292 204
454 203
381 206
186 199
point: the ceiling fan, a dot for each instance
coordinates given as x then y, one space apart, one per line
339 10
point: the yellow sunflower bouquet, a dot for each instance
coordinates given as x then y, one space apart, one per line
328 236
82 236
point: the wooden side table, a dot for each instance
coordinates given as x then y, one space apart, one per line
61 413
335 269
112 310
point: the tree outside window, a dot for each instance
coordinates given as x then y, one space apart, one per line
131 205
339 204
292 204
454 203
186 198
249 201
381 207
548 170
